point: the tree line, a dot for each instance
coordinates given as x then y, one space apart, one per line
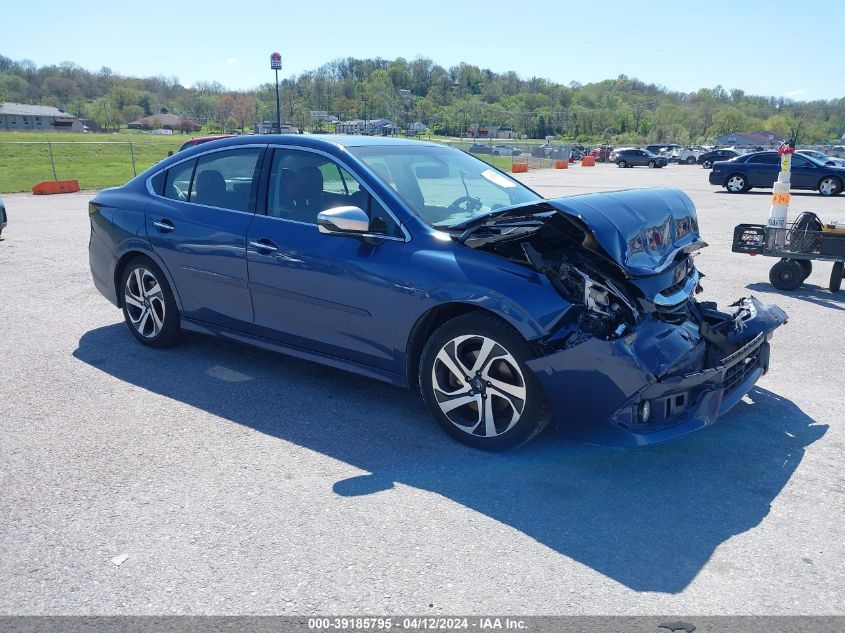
448 101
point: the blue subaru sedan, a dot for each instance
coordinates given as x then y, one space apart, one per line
422 266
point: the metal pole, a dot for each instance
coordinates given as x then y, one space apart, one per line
132 154
52 162
278 107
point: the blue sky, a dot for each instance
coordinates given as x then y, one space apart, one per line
683 45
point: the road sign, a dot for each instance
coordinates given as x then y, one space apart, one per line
275 61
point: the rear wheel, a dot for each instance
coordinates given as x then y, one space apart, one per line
652 164
474 380
707 164
690 160
787 274
736 183
622 164
807 265
148 305
836 276
830 186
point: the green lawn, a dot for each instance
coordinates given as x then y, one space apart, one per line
95 160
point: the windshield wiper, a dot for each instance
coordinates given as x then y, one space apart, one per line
483 219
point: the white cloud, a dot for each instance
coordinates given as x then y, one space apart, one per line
231 61
796 93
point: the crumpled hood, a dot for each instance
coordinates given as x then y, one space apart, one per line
641 229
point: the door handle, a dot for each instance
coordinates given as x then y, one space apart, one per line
264 245
165 226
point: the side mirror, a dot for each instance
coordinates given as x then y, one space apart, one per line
343 221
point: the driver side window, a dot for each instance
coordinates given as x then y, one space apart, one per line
302 184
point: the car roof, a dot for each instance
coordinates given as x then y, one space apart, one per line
324 140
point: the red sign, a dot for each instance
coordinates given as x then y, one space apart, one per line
275 61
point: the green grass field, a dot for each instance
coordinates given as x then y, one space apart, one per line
95 160
100 160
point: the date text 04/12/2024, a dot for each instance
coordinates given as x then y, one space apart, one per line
416 623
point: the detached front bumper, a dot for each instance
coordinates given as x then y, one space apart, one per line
599 389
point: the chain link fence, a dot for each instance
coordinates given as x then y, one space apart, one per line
95 164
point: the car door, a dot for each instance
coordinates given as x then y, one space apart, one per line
639 157
762 169
326 293
198 228
805 174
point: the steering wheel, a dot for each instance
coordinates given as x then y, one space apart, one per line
466 204
180 195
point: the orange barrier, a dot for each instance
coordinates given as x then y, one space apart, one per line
561 164
58 186
519 168
588 161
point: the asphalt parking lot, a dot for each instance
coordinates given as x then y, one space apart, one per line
227 480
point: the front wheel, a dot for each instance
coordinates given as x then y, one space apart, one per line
622 164
691 160
652 164
830 186
707 164
148 305
736 183
474 380
787 274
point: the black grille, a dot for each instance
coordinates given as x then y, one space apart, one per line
739 372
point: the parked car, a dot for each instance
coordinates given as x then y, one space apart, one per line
684 156
822 158
425 267
481 148
3 217
760 169
554 152
199 140
707 159
633 157
506 150
837 151
601 153
664 149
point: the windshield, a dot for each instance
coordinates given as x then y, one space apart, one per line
443 186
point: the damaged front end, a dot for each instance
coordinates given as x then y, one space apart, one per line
635 359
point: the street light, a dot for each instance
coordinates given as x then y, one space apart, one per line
276 64
364 101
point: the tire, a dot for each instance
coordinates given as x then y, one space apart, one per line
690 160
736 183
830 186
621 164
787 275
836 276
502 390
652 164
149 308
807 265
707 164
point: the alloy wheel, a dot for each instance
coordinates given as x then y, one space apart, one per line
144 301
478 385
828 186
735 184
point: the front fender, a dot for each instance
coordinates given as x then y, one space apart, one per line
502 306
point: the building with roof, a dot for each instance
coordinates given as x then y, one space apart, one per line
378 127
22 117
754 139
165 121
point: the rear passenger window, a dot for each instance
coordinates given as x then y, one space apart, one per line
765 159
178 184
224 179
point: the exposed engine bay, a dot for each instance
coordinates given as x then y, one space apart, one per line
610 301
